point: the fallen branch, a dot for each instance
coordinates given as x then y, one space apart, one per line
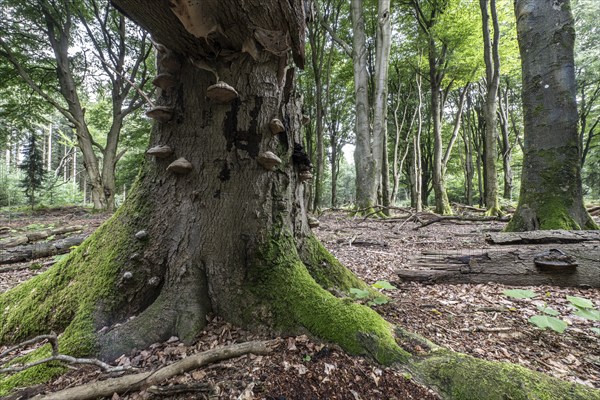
487 329
38 235
144 380
461 218
19 267
39 250
56 356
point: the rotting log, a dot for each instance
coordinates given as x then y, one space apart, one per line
39 250
38 235
509 266
541 237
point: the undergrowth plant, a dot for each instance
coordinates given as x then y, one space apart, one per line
368 297
548 317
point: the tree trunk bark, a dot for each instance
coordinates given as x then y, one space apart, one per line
505 143
492 73
551 194
442 205
365 161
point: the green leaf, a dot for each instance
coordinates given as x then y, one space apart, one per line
520 293
596 331
592 315
543 322
359 293
380 300
384 285
548 310
580 302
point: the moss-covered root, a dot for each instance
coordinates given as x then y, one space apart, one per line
297 302
458 376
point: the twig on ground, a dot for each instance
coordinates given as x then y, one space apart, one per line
56 356
147 379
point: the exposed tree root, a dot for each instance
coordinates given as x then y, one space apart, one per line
147 379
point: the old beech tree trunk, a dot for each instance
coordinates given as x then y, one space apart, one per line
551 194
223 234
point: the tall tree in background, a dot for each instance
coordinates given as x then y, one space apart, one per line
551 192
25 33
370 135
492 81
32 166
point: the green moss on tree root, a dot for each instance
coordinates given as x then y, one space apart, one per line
326 270
67 297
283 282
461 377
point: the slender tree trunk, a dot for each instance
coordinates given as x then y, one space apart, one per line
380 103
507 147
551 194
442 205
417 177
492 72
364 160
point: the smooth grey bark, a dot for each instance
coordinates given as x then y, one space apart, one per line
380 101
490 108
505 144
551 193
364 159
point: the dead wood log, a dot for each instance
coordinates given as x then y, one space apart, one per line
541 237
38 235
129 383
509 266
445 218
595 211
39 250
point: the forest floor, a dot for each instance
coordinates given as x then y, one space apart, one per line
475 319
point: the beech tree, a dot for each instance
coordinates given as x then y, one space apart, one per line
217 221
28 31
551 194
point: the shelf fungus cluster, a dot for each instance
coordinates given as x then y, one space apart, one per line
268 160
276 126
160 151
181 166
221 93
160 113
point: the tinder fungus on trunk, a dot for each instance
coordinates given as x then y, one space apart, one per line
180 166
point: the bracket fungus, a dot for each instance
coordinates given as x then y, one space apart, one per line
305 176
221 92
165 81
313 222
276 126
180 166
305 119
160 151
268 160
160 113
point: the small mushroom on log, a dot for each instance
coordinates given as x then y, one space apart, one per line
180 166
268 160
160 113
221 92
305 176
160 151
276 126
165 81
